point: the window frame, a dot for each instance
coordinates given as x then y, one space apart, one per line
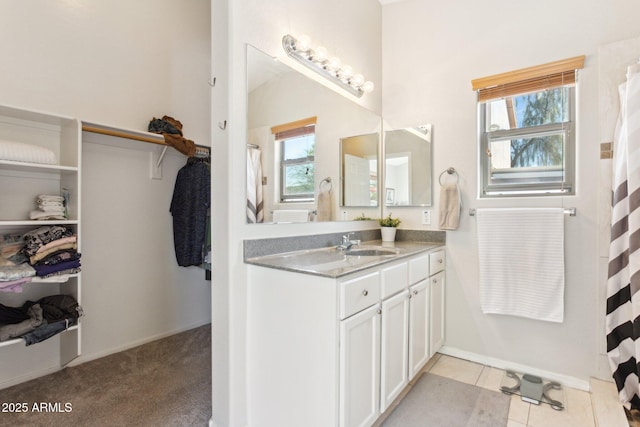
504 187
552 75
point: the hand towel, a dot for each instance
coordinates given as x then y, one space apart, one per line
521 255
450 206
324 205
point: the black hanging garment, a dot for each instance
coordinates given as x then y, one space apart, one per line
191 199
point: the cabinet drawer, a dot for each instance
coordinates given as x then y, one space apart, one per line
393 279
436 262
359 293
419 268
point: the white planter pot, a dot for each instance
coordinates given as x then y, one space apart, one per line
388 234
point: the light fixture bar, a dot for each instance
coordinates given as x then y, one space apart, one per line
321 65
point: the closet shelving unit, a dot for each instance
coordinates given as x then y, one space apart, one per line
20 184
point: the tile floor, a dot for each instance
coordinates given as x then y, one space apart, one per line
598 408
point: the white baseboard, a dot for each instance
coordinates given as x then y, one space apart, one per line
565 380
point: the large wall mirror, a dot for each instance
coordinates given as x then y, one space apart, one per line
408 174
298 131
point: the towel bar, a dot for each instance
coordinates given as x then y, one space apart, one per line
567 211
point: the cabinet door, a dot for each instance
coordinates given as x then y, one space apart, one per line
436 313
360 368
395 348
418 327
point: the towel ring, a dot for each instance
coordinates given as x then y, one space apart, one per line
450 171
328 181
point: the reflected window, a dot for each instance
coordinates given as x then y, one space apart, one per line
297 157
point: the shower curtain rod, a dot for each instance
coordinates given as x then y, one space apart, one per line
567 211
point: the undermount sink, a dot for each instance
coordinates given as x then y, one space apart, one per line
371 251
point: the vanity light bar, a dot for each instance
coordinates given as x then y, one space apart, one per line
331 68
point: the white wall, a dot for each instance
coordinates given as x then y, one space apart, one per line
119 63
431 52
115 62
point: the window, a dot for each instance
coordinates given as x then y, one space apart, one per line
527 130
297 149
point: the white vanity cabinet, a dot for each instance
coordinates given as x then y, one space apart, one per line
334 352
26 173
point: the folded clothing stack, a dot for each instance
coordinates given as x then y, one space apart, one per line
49 253
15 271
52 251
49 207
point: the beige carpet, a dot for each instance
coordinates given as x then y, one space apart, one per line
163 383
436 401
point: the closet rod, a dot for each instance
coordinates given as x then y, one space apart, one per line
159 140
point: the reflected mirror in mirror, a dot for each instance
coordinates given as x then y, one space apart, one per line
295 126
359 169
408 174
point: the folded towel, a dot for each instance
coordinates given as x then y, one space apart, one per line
521 255
324 206
450 206
41 215
19 152
44 198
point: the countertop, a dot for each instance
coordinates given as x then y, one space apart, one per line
333 263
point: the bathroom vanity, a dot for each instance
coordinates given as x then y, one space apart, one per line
334 335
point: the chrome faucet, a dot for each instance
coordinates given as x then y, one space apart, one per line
346 242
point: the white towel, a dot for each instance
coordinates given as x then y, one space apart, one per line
291 215
450 205
521 255
325 204
20 152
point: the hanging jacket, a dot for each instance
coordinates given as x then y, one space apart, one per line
191 199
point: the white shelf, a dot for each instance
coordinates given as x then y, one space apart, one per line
35 223
21 340
34 167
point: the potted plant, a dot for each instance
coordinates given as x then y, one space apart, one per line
388 228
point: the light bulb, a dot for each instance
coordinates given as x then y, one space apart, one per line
319 54
345 72
303 43
357 80
334 64
368 86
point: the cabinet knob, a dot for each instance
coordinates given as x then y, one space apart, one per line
379 310
365 292
435 281
440 260
415 292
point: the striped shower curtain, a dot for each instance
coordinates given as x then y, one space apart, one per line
255 206
623 284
